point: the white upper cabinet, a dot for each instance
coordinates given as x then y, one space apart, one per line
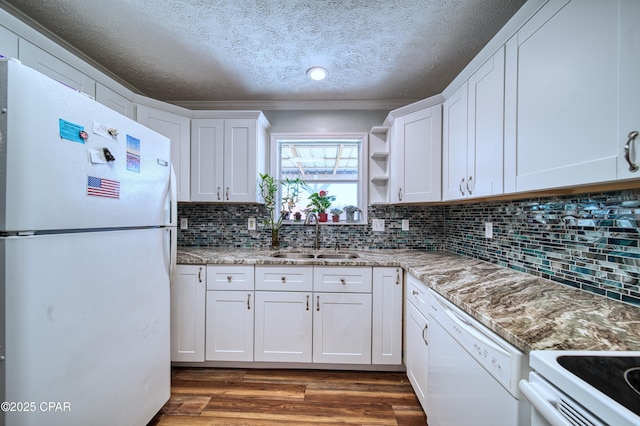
473 128
49 65
227 156
8 43
571 94
416 143
177 128
115 101
454 145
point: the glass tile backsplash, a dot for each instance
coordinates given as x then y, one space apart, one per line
585 241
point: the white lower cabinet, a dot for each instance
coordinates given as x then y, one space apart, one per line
301 314
386 331
283 326
283 321
230 313
188 289
342 328
416 335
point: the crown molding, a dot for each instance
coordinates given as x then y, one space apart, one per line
290 105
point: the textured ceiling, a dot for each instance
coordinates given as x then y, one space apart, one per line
259 50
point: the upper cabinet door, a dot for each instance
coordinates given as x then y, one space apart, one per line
240 163
49 65
568 69
454 146
486 129
418 161
177 128
629 89
207 160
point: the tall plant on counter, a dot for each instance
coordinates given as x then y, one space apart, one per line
268 187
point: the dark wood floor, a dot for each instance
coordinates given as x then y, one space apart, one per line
203 396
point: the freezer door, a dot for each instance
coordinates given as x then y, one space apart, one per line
87 326
54 170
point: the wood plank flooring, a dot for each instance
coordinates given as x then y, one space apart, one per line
207 396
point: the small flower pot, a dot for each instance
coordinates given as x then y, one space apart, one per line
335 218
322 217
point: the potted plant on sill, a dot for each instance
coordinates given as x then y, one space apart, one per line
268 187
335 214
320 201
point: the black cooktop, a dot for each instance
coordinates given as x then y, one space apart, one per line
618 377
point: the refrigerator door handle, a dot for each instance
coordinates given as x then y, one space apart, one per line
170 251
173 199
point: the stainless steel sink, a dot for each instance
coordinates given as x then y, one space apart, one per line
293 255
337 256
286 255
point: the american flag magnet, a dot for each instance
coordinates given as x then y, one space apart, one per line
100 187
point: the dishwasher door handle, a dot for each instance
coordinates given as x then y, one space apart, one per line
542 405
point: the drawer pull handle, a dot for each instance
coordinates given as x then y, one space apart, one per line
415 293
307 302
248 300
229 278
343 281
627 148
283 279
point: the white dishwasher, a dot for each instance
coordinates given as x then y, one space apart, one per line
473 373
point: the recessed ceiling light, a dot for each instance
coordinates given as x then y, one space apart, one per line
317 73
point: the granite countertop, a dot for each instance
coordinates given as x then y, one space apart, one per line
529 312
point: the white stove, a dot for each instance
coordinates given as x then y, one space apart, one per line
586 388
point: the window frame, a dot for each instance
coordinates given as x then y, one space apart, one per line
363 172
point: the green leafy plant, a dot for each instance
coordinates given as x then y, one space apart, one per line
268 187
291 193
335 212
320 201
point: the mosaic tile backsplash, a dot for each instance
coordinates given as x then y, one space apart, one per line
585 241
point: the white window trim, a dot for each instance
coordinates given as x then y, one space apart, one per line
363 169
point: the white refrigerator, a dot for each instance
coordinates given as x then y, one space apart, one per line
86 230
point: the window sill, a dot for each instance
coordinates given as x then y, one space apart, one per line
301 222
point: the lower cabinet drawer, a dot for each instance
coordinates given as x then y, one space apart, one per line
230 277
284 278
417 293
352 279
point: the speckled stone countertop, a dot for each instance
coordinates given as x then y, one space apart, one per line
529 312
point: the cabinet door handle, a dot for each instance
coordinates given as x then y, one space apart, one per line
248 300
343 281
470 188
318 303
227 193
229 278
399 194
397 276
424 330
200 275
415 293
633 167
460 187
307 302
218 193
283 279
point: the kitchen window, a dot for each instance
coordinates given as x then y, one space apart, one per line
332 163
